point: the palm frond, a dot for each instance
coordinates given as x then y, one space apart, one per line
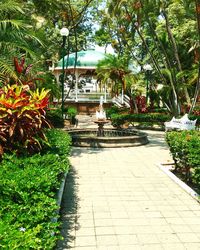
10 5
6 69
18 47
13 23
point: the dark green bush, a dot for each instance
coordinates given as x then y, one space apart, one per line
195 117
60 142
55 117
28 191
154 118
185 149
71 112
112 110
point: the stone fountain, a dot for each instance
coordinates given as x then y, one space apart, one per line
106 137
101 118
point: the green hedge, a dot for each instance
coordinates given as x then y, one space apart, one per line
185 149
153 118
28 191
115 110
118 120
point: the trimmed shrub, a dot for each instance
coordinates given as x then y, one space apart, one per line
113 110
154 118
150 118
28 191
55 118
185 149
71 113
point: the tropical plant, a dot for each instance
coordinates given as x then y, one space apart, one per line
22 118
115 70
16 36
160 33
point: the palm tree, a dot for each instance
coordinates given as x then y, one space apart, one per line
16 37
115 70
151 26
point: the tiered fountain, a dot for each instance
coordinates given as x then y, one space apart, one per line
101 118
106 137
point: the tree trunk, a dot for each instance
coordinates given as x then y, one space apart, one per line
197 89
177 111
176 55
160 47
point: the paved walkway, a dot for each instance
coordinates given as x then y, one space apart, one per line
119 199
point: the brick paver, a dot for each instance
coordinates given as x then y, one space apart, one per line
119 199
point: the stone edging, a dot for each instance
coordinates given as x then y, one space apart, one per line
59 196
61 190
185 187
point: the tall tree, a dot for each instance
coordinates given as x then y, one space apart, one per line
160 33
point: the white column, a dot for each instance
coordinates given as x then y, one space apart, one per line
76 86
105 94
57 77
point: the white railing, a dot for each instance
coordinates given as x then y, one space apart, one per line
121 101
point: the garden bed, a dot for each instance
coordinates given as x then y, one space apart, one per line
185 150
178 179
28 192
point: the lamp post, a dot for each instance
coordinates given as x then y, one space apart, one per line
64 32
148 69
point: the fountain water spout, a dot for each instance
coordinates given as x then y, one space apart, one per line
101 118
101 115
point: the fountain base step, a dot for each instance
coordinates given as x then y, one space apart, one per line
112 138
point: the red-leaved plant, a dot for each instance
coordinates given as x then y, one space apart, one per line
23 74
22 118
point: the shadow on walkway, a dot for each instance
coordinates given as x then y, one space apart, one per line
77 151
68 211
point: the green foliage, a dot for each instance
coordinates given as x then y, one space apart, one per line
161 33
71 112
55 117
59 141
185 149
157 118
17 36
49 82
28 195
196 111
116 70
111 111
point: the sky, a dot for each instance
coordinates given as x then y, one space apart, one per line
109 49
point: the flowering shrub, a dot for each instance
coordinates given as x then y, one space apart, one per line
22 118
185 149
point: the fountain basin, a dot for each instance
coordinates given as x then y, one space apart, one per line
113 138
